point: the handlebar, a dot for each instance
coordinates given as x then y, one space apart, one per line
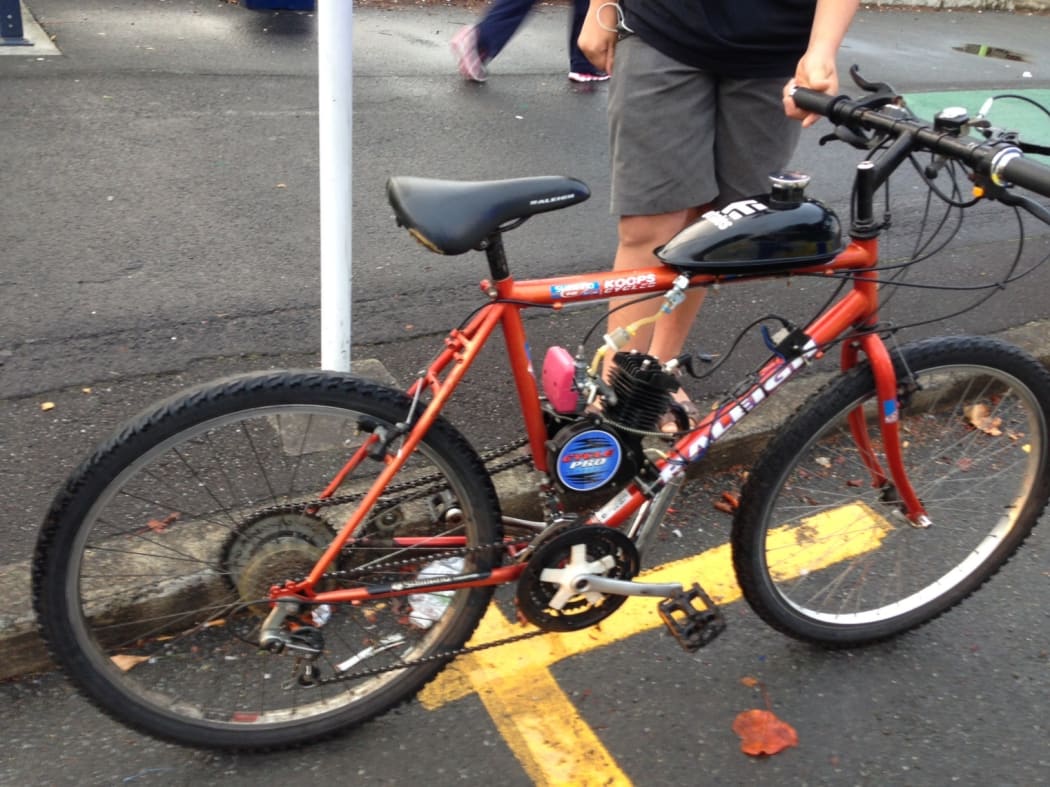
1001 161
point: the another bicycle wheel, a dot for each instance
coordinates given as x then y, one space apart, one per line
153 566
823 556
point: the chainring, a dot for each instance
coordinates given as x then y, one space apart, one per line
594 549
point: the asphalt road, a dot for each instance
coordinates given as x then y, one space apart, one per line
158 227
961 701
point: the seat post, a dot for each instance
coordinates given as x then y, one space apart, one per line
496 256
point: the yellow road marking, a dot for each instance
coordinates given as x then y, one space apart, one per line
846 532
532 713
535 717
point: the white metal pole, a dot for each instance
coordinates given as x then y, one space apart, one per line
335 104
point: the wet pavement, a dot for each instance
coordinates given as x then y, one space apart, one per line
159 229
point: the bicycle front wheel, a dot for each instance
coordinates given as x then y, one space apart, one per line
823 556
153 566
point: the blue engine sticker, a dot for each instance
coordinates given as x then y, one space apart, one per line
589 460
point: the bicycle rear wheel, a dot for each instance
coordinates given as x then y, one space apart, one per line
153 566
823 556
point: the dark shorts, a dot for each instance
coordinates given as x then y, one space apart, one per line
681 137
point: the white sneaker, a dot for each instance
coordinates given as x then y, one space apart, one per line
465 48
584 76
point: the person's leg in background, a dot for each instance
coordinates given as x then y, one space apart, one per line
499 25
474 46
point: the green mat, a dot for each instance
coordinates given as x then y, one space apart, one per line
1030 122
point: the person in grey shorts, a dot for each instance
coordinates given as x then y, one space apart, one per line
699 116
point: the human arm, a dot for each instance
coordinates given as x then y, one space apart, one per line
598 41
816 70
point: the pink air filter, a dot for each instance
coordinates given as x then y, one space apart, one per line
559 371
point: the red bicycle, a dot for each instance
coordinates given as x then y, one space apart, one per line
268 559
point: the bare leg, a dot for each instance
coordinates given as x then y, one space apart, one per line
639 236
671 331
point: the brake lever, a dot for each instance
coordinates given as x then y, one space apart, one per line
882 94
881 88
1004 195
1028 205
851 136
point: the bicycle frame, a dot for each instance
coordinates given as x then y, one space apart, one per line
855 311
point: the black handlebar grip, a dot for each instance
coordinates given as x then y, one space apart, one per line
812 101
1027 174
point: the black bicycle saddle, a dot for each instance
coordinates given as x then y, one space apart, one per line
455 216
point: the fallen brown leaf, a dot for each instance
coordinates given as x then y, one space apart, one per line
160 525
980 417
732 498
761 732
124 662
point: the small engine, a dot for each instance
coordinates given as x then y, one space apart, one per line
643 391
593 457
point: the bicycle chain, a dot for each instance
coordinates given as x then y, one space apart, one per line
407 486
446 655
449 655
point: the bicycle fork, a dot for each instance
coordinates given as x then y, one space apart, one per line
897 482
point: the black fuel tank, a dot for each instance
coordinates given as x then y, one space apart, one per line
750 237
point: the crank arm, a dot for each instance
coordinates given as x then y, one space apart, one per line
590 583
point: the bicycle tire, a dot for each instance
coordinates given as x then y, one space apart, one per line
821 555
152 553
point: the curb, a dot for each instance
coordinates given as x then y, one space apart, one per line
40 42
22 652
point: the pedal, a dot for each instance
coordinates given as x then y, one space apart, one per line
693 626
